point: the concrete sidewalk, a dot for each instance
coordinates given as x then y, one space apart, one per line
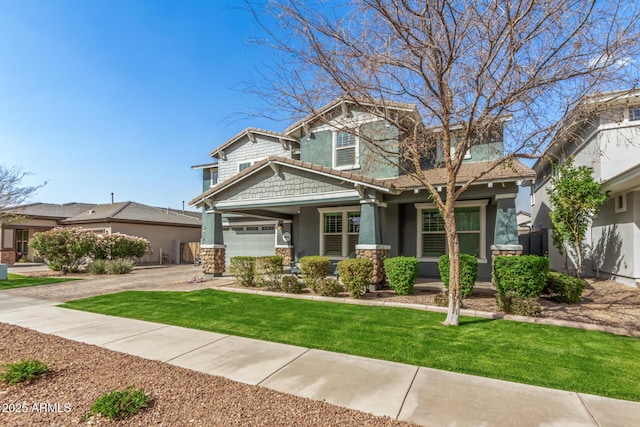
404 392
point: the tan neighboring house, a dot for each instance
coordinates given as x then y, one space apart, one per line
166 229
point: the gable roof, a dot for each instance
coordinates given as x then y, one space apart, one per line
338 102
134 212
377 184
249 132
49 210
515 171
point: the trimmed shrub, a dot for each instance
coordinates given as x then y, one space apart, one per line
441 299
23 371
243 269
290 285
118 245
63 248
468 273
119 266
512 303
524 275
98 266
119 405
268 270
356 275
563 288
402 273
327 287
314 269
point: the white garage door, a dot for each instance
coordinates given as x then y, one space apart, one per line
249 240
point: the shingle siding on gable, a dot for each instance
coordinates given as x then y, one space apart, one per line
266 183
245 150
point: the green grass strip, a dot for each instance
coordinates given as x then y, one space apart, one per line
19 281
549 356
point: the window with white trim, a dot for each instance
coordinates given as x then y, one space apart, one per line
339 230
22 241
346 150
621 203
634 114
470 223
244 165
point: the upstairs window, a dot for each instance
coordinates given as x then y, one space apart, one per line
634 114
346 150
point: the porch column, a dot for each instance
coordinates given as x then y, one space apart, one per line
370 243
212 247
284 248
505 236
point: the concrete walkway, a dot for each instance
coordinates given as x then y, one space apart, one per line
404 392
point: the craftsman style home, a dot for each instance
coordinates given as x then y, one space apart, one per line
602 133
318 189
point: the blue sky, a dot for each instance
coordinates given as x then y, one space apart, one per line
122 96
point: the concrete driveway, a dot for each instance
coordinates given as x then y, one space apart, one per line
173 278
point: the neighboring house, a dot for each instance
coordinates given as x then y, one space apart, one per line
604 133
165 228
524 222
326 193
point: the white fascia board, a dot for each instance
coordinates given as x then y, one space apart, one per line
289 200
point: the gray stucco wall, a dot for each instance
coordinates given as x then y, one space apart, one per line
317 148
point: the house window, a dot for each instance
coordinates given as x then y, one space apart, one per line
346 150
621 203
22 241
470 223
634 114
340 228
214 177
243 166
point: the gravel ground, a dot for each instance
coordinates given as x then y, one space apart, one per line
81 373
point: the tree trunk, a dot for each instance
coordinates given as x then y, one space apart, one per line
579 259
453 313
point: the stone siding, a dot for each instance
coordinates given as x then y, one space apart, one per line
213 261
7 256
286 254
377 256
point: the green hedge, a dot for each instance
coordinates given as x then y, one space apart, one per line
402 273
327 287
243 269
524 275
355 275
314 269
269 270
563 288
290 285
468 273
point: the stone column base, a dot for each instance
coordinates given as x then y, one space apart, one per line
212 257
377 254
7 256
503 250
286 252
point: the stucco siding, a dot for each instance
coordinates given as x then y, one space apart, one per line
167 238
620 150
318 148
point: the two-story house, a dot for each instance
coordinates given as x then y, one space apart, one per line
603 133
329 193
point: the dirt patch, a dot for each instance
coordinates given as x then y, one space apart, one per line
81 373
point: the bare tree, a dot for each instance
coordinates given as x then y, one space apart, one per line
464 64
12 192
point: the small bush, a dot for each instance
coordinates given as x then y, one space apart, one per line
441 299
25 370
327 287
402 273
243 269
524 275
98 266
468 273
268 270
563 288
355 275
119 404
119 266
512 303
290 285
314 269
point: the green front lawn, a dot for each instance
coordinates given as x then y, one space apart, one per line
549 356
19 281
